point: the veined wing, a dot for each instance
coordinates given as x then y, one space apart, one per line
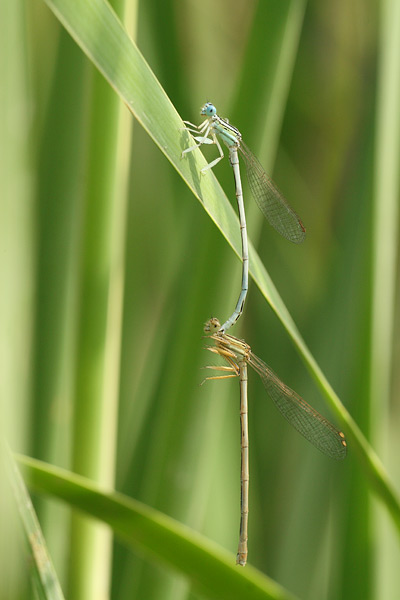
313 426
270 200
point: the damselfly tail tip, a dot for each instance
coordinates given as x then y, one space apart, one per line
241 559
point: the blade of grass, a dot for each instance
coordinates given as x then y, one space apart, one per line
44 577
99 327
16 225
16 272
386 210
281 24
96 29
385 243
211 569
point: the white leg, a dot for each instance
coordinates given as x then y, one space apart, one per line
201 140
205 125
190 149
220 368
196 131
217 377
220 157
196 127
200 127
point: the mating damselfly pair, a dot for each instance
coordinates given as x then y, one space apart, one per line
237 353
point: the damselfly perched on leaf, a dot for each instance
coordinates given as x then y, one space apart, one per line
267 195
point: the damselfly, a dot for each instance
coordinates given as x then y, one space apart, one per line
313 426
268 197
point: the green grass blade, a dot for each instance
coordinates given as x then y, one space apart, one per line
212 570
44 578
100 305
386 207
281 24
384 276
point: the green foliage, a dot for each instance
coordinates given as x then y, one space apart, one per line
210 568
110 268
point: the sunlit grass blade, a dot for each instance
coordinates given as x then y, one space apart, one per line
43 576
384 275
212 570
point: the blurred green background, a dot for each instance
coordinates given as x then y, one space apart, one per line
110 267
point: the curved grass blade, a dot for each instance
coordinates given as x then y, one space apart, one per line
43 575
210 567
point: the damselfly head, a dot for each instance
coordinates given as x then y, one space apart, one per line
209 110
212 326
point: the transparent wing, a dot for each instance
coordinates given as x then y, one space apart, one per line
313 426
271 201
